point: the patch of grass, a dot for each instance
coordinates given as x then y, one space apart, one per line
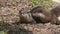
2 32
34 2
46 3
14 0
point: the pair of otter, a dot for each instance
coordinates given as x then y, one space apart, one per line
40 15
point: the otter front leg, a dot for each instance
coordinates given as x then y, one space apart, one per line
58 20
54 20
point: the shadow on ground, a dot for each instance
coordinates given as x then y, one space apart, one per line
13 29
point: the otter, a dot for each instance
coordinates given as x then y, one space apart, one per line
41 15
26 16
56 12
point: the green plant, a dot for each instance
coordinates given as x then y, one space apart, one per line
2 32
46 3
34 2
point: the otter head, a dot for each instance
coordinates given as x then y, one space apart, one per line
26 17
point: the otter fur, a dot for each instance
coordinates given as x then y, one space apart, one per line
56 12
41 15
26 17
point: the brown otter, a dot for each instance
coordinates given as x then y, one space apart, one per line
43 16
40 14
26 17
56 12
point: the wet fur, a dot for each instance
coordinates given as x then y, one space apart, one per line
26 17
48 16
56 12
39 18
35 17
